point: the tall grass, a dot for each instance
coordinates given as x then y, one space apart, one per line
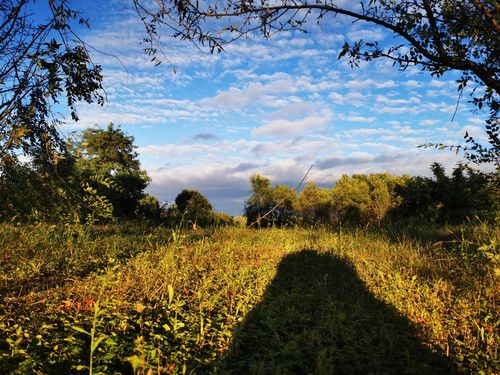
235 299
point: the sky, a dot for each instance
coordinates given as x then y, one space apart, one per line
275 107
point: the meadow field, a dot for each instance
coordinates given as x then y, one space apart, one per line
131 299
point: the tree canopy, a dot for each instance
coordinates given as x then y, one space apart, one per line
194 206
434 35
98 179
42 61
372 199
109 155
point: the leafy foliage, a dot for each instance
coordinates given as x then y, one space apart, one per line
194 207
260 202
41 63
269 206
315 205
375 198
95 180
110 154
32 192
365 199
466 194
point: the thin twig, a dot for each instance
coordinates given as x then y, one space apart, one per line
458 103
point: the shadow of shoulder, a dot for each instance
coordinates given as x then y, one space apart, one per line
318 317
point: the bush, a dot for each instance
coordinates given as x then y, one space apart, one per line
365 199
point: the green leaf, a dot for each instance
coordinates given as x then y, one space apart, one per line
81 330
96 343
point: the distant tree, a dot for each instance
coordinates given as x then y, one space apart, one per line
268 206
21 192
351 199
195 207
285 201
36 192
96 179
314 205
467 193
434 35
260 202
108 158
417 200
365 199
149 209
221 219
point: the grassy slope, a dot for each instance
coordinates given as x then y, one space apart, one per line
247 301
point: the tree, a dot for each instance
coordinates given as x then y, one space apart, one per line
466 194
285 198
194 206
434 35
108 158
268 206
365 199
260 202
97 179
149 209
314 205
41 63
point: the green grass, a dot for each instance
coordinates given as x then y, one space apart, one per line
126 299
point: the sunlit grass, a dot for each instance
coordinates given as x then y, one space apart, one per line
183 301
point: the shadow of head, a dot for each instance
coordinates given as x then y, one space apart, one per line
318 317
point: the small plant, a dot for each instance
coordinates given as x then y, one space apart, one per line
96 338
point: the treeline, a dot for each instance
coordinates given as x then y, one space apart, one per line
96 178
377 198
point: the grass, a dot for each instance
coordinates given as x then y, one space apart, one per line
127 299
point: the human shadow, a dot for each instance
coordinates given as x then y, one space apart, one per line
318 317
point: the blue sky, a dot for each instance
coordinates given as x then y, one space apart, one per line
274 107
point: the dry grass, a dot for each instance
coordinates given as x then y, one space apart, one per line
258 301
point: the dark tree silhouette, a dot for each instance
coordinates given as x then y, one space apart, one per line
194 206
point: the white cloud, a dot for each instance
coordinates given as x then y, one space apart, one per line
476 121
438 83
262 92
337 98
389 101
358 118
410 111
412 84
358 84
289 127
367 131
251 95
373 34
475 131
429 122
